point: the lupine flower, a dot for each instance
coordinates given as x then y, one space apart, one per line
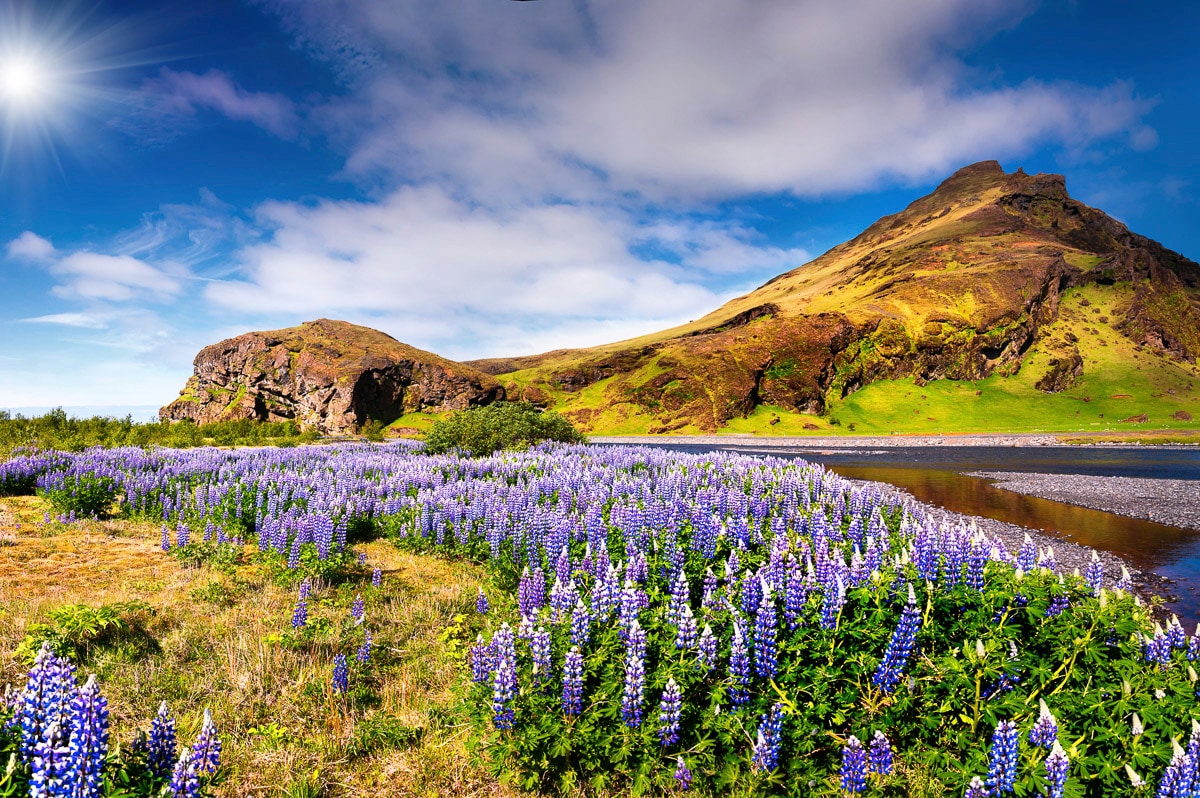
706 653
341 674
206 750
377 577
364 651
895 657
854 766
166 538
1058 605
481 603
581 624
976 789
358 608
739 665
976 560
683 776
1176 637
1094 575
635 677
51 760
88 742
185 781
668 714
832 601
504 688
300 614
481 660
769 739
1057 766
1045 731
46 700
1002 766
685 635
572 697
879 754
765 653
161 745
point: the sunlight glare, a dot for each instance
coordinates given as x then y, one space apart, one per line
20 80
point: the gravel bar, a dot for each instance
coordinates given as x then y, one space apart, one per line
1174 502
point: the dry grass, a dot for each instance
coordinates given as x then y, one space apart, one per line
285 733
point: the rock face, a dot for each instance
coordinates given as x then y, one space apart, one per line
327 375
962 284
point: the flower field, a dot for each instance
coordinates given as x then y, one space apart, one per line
653 622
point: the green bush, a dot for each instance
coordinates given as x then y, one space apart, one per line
480 431
76 629
86 495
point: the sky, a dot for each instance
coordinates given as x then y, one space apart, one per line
486 177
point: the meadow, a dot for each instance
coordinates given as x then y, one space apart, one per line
577 620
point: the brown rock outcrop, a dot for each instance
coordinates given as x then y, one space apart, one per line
331 376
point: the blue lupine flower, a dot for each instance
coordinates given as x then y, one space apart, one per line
364 651
635 677
831 603
581 624
1057 766
1094 575
683 776
900 646
1045 731
377 577
185 781
1158 648
1002 765
739 665
358 608
88 742
206 750
1027 555
504 689
685 634
879 754
668 714
1176 637
46 701
976 789
481 660
976 560
769 739
1058 605
50 764
540 645
854 766
765 622
706 653
572 697
300 614
481 603
166 538
341 674
161 744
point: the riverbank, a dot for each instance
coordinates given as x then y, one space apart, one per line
1175 502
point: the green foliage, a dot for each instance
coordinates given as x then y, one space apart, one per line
86 495
57 430
480 431
372 431
76 630
334 569
381 732
224 557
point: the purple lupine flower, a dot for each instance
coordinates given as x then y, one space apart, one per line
1057 766
300 613
1158 648
668 714
504 689
540 645
88 742
769 739
166 538
364 651
581 624
765 623
1045 731
1046 560
377 577
685 634
1058 605
832 601
362 558
481 660
879 754
206 750
976 789
1027 555
976 560
50 763
706 652
635 677
161 744
46 700
708 597
895 657
683 776
1002 765
1094 575
185 781
679 597
1174 777
481 603
358 608
739 665
341 674
854 766
1176 637
572 697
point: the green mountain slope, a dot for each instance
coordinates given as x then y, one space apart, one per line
995 303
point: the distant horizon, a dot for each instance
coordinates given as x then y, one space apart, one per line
137 412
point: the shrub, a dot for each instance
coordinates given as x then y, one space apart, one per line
76 629
87 495
480 431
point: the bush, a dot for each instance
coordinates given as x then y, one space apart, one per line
86 495
480 431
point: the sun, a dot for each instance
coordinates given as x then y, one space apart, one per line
21 80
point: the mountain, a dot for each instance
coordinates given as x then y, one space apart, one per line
996 299
332 376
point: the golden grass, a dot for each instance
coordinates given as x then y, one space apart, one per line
282 727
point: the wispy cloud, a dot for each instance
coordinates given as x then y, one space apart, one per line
165 101
92 321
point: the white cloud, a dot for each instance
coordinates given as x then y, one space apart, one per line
92 321
30 246
114 278
182 94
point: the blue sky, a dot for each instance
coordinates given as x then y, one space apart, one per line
487 177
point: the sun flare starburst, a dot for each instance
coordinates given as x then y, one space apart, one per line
22 80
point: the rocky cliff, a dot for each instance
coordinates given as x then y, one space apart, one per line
327 375
957 286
